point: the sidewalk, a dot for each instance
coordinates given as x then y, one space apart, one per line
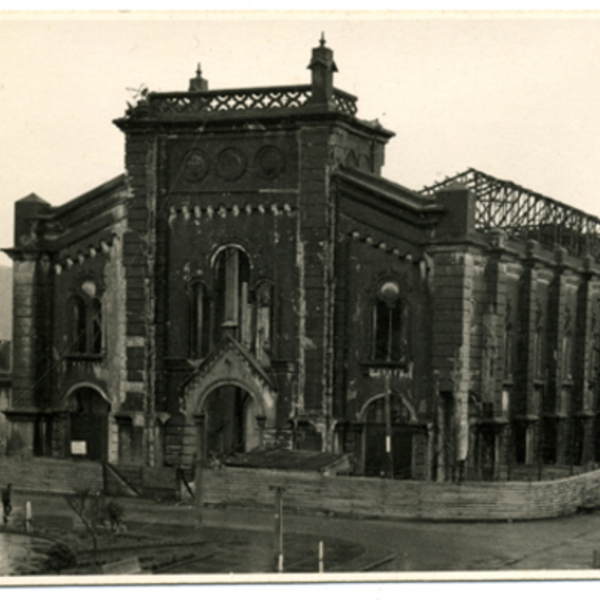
166 538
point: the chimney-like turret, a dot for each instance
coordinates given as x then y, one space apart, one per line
322 67
198 83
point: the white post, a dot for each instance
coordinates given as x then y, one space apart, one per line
321 558
28 517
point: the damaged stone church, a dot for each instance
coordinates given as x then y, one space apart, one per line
252 282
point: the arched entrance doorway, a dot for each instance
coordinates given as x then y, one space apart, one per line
88 424
230 421
377 457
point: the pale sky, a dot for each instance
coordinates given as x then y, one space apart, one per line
515 97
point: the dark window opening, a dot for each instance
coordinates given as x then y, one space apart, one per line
199 321
231 277
508 352
578 434
390 325
550 445
539 354
568 356
85 316
520 440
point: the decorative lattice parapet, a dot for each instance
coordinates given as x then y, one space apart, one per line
526 215
188 103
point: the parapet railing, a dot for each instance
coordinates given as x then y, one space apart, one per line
526 215
267 98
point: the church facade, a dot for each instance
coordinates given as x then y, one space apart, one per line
252 281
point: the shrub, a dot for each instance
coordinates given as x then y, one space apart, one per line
60 557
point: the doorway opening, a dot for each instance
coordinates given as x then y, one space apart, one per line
385 456
89 424
231 425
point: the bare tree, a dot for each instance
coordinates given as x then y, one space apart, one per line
91 508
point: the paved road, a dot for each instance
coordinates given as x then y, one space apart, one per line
566 543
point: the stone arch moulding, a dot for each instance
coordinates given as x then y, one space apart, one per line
234 244
230 365
89 385
411 410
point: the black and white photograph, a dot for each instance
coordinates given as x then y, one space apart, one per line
299 297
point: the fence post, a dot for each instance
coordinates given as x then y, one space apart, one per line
198 492
321 558
28 517
278 539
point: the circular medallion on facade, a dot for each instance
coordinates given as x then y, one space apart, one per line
196 167
271 162
231 164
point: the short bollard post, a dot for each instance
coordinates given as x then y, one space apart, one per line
596 559
321 558
278 540
28 517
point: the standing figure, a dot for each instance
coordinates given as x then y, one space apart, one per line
6 505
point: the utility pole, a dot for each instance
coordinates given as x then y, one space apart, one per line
388 426
278 531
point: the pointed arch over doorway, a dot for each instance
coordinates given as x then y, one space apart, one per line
231 417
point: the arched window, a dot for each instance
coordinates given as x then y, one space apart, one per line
538 348
96 325
508 351
567 351
390 341
78 324
231 278
263 320
199 320
85 321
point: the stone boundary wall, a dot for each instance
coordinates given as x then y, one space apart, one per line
388 499
52 475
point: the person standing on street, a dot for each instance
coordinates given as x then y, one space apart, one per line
6 505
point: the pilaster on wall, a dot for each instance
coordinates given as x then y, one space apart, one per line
315 261
524 405
556 333
583 397
452 311
24 332
583 345
139 256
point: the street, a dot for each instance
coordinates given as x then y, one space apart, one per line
566 543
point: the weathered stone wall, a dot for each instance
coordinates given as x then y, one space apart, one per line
50 475
385 498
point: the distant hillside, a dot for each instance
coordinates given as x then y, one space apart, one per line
5 303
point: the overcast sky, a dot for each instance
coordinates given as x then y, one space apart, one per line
517 98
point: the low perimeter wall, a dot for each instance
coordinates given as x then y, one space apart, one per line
50 474
385 498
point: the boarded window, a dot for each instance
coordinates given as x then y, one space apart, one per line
84 319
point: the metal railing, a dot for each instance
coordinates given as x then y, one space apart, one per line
290 97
